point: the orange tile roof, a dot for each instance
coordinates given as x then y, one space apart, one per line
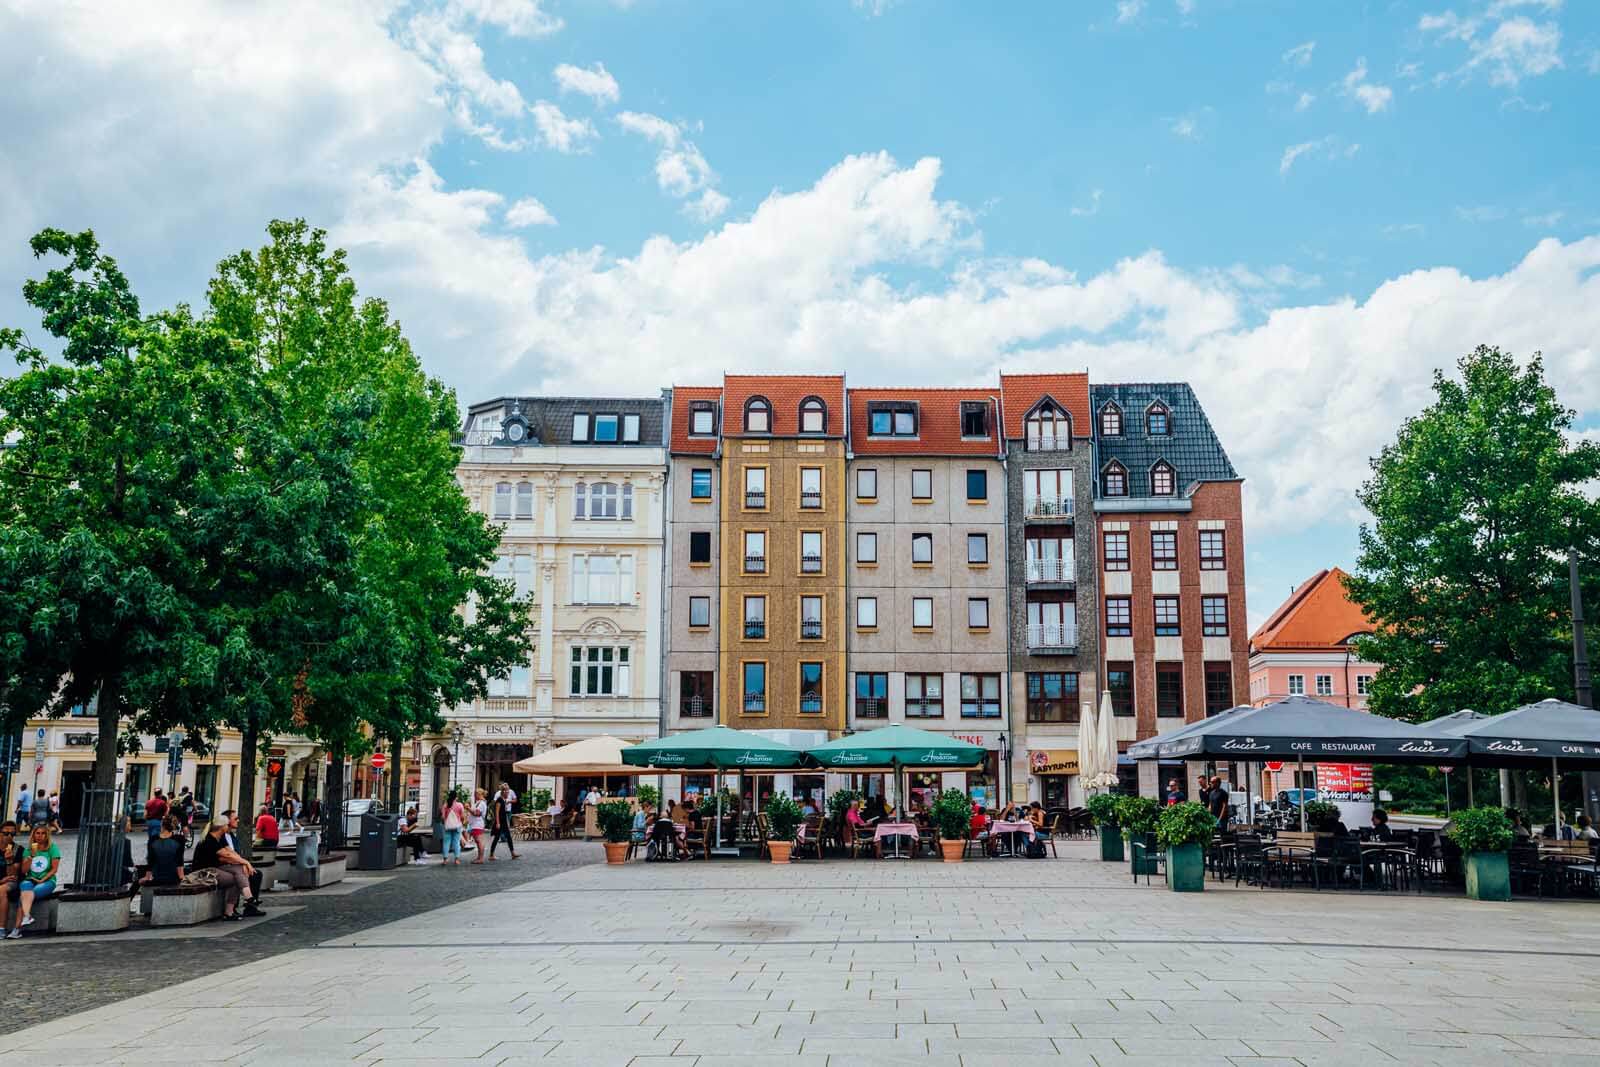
682 396
938 423
1020 392
1317 615
784 391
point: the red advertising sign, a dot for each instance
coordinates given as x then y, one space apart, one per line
1347 779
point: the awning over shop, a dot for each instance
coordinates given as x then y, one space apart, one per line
1536 733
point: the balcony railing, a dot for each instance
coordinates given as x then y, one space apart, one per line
1051 570
1050 507
753 628
810 564
811 500
810 703
1049 442
755 564
754 499
1052 636
924 709
811 629
871 708
755 702
695 708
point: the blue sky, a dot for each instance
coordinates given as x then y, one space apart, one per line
1303 209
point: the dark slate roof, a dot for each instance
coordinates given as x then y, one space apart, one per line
1191 448
550 418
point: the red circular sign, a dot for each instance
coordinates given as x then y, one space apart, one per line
1275 767
378 761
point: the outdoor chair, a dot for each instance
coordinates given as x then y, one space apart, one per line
1288 863
1050 836
1389 867
856 843
812 841
761 834
1250 861
1526 872
1142 851
980 838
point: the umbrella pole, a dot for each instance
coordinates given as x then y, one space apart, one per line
718 780
1470 802
1300 788
1555 794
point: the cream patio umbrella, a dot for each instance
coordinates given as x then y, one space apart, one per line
592 756
1098 766
1088 749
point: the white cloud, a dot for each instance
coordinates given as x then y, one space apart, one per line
1479 213
681 170
1300 54
1329 147
1185 7
1547 221
1184 127
1305 101
520 18
709 205
528 212
1091 208
1128 10
1405 229
559 132
594 82
1374 98
1516 48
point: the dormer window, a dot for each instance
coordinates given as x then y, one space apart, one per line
891 419
702 419
1163 479
813 415
757 415
1157 420
1114 480
974 418
1111 421
1048 429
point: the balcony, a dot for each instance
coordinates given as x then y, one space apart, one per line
754 500
1048 509
811 501
811 629
755 629
695 708
810 564
755 564
1050 442
755 702
1051 571
871 708
1052 638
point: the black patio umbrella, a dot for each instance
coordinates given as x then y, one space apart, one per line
1550 731
1453 724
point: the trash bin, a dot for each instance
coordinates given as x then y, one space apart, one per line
305 849
377 840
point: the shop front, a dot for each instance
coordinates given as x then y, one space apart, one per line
1055 770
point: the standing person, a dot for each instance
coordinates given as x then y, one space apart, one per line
155 809
55 812
40 863
39 813
1219 803
478 820
185 810
314 815
1174 792
165 855
454 816
24 805
505 809
10 872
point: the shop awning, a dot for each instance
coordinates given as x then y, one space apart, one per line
1536 733
1149 747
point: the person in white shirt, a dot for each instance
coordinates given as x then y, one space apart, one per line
593 797
1585 830
475 824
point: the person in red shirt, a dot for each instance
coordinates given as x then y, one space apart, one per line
267 828
155 809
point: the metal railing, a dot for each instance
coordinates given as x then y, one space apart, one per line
1052 635
1049 442
694 708
810 702
810 564
755 702
100 840
924 709
1050 507
871 708
755 628
755 564
1051 570
755 500
811 628
811 500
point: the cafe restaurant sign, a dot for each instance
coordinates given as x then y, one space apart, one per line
1053 761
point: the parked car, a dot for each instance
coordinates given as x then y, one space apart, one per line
353 810
1291 798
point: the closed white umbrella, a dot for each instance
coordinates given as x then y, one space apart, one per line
1106 734
1088 750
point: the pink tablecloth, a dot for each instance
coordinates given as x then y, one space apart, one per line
894 829
1023 827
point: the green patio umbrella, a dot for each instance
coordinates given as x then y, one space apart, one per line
894 748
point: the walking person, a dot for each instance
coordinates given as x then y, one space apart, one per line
478 820
505 809
39 812
24 805
155 809
40 863
454 816
55 812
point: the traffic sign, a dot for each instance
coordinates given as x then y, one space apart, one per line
274 768
1275 767
1445 770
378 761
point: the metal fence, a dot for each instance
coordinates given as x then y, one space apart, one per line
101 840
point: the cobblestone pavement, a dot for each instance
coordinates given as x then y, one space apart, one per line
841 963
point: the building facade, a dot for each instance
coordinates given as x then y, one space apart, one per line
1306 647
694 550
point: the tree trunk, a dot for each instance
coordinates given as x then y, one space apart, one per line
1519 796
249 738
105 746
333 803
394 775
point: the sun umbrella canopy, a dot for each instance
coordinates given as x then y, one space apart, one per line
1453 723
1303 728
1149 748
595 755
896 746
1550 729
714 748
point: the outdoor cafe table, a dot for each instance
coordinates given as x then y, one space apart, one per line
1022 827
894 831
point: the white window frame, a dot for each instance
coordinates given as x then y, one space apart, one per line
580 426
583 575
630 428
1297 685
504 494
1324 685
585 657
1363 685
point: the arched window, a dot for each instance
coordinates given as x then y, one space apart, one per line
1163 479
813 415
502 500
1110 420
627 501
1048 429
757 415
579 493
1157 420
524 500
1114 480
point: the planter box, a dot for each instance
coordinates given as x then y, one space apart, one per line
1110 844
1144 861
1488 876
330 870
92 913
1186 868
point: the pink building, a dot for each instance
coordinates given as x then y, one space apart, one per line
1305 648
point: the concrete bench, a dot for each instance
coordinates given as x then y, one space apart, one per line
329 869
185 905
85 912
44 916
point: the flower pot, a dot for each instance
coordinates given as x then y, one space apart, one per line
1186 868
1488 876
1143 861
953 850
1110 844
616 851
780 850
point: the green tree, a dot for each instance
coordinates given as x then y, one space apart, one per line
1463 570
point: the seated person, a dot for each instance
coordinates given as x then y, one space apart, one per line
875 809
41 860
409 835
1380 826
855 825
165 855
1036 815
692 816
1519 830
809 808
642 820
665 836
1586 830
266 828
10 871
980 821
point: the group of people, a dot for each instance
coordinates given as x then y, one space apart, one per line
35 808
658 830
181 806
464 823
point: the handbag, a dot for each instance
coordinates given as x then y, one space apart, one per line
452 819
206 876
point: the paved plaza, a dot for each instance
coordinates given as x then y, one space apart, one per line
999 962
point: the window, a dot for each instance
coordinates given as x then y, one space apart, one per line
1050 559
977 548
1053 696
699 546
694 694
605 428
1119 683
1169 690
500 569
1111 421
1116 550
755 552
892 420
755 688
702 419
757 415
599 671
1213 554
1363 685
602 501
922 548
1048 429
866 612
810 618
700 484
755 487
1157 422
1324 685
924 696
1163 550
810 688
974 418
811 552
922 613
1297 685
1114 482
1119 616
580 427
700 612
977 613
921 485
524 500
980 696
872 695
1047 492
1162 478
813 415
513 684
811 487
502 500
630 429
1219 688
522 577
866 548
602 579
1214 616
1167 624
867 483
978 485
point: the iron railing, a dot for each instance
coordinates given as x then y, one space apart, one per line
755 702
811 500
1049 442
811 629
810 564
695 708
1049 507
925 709
1051 570
754 628
871 708
755 500
755 564
1052 635
101 837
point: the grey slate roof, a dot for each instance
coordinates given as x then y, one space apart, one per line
551 417
1191 448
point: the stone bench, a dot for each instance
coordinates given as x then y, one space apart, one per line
86 912
44 916
329 869
185 905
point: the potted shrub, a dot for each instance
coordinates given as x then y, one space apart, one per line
615 818
783 822
952 814
1137 817
1321 816
648 794
1484 837
1103 810
1183 830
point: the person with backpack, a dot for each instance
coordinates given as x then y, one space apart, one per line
454 817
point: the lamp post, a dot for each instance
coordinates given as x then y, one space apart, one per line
458 734
1005 759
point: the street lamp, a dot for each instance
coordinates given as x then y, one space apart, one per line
458 734
1005 761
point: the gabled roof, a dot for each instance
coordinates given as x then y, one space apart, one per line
785 391
1190 446
1019 393
938 423
1318 616
683 397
